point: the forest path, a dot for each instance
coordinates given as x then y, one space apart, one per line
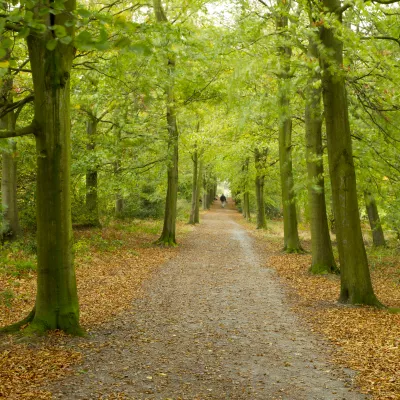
214 323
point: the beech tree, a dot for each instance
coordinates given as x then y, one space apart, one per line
51 61
291 236
323 260
356 286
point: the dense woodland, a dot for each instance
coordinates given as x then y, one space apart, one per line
138 110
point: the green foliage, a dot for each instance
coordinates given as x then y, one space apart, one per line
16 268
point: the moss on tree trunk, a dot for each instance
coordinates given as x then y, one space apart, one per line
291 236
56 300
356 286
167 237
323 261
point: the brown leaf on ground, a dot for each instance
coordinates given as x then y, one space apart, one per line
367 339
111 265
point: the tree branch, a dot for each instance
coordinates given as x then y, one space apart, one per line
27 130
11 107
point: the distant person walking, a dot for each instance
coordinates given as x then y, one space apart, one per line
223 200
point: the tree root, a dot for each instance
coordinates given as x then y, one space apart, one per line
18 325
298 250
165 242
320 269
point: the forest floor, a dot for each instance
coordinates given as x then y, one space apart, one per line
209 320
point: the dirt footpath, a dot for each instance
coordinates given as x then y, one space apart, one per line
214 324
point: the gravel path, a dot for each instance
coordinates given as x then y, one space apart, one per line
213 324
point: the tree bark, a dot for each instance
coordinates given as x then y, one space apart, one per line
92 204
291 236
167 237
199 187
205 192
119 200
195 197
56 300
356 286
246 206
11 227
374 220
323 261
260 162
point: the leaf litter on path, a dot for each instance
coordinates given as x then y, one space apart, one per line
109 277
367 340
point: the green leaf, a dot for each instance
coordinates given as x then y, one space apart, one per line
84 41
28 16
7 43
24 32
140 48
51 44
84 13
123 42
2 53
66 40
84 37
60 31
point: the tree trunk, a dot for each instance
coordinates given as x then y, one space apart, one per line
356 286
323 261
92 204
246 206
11 228
119 200
374 220
167 237
56 300
195 197
205 192
199 187
260 161
291 236
210 197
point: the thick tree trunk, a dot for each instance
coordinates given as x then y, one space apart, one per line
260 162
374 220
356 286
291 236
92 204
195 197
167 237
56 299
323 261
11 227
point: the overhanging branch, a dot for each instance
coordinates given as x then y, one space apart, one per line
11 107
27 130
